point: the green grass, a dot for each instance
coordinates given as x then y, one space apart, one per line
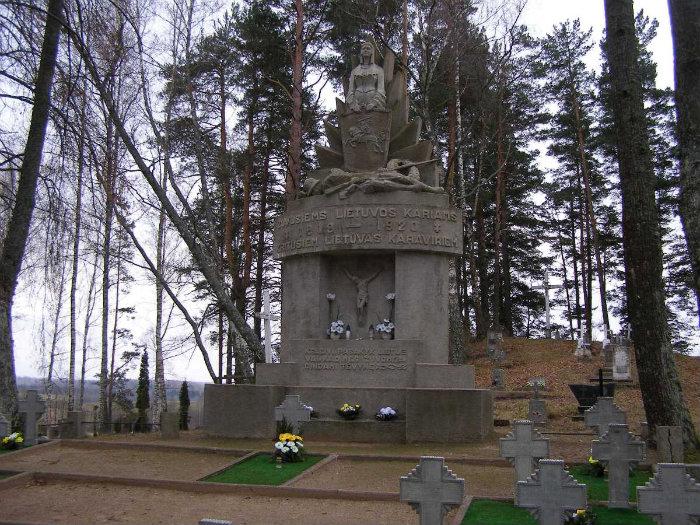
261 470
598 487
487 512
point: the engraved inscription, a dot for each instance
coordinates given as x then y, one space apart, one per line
360 359
369 227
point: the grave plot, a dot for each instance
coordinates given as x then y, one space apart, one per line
75 504
489 512
383 476
598 487
261 469
118 462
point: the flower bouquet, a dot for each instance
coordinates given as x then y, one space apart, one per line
12 442
348 411
385 329
595 468
386 414
582 517
289 448
336 329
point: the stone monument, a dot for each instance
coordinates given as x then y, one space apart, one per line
365 249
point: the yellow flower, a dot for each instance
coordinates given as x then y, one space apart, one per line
6 440
581 512
19 440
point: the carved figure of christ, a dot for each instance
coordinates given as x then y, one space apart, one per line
362 286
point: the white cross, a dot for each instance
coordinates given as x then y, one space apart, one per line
547 287
523 447
267 316
431 489
550 492
622 451
671 495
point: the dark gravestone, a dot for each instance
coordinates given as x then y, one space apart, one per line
586 395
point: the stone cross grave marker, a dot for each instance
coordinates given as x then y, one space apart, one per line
604 412
550 493
672 497
547 287
583 346
32 407
431 489
292 411
621 360
266 316
622 451
537 412
494 344
523 447
669 443
4 427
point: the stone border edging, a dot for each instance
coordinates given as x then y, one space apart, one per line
53 442
462 511
87 444
239 460
313 468
463 460
219 488
16 479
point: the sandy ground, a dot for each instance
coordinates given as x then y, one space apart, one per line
77 504
132 463
383 476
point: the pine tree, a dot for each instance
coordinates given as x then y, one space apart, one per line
142 394
184 405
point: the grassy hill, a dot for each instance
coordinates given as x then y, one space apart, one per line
554 360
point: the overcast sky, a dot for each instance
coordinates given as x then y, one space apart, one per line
539 16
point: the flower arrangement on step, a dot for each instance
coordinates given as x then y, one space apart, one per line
12 442
386 414
289 448
337 329
385 329
348 411
582 517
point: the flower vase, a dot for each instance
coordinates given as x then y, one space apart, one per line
386 335
335 336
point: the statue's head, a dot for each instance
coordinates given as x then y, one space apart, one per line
367 52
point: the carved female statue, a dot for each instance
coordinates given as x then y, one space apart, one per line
366 89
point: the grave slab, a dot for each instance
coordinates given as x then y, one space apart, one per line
622 452
672 497
602 414
550 494
32 407
523 447
431 489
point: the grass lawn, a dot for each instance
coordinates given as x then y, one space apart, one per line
598 487
261 470
487 512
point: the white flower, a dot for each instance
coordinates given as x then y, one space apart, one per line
309 408
390 296
285 450
295 449
279 445
300 445
330 296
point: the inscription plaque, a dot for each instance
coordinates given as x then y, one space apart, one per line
369 227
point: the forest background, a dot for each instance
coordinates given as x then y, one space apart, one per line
223 105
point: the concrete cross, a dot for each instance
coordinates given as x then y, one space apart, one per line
292 411
32 407
547 287
550 493
523 447
602 414
4 427
671 496
267 316
621 451
431 489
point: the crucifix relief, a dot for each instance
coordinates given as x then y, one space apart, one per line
362 286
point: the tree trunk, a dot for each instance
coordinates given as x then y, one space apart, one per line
86 327
295 135
685 28
260 248
160 401
115 324
103 410
15 241
658 378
